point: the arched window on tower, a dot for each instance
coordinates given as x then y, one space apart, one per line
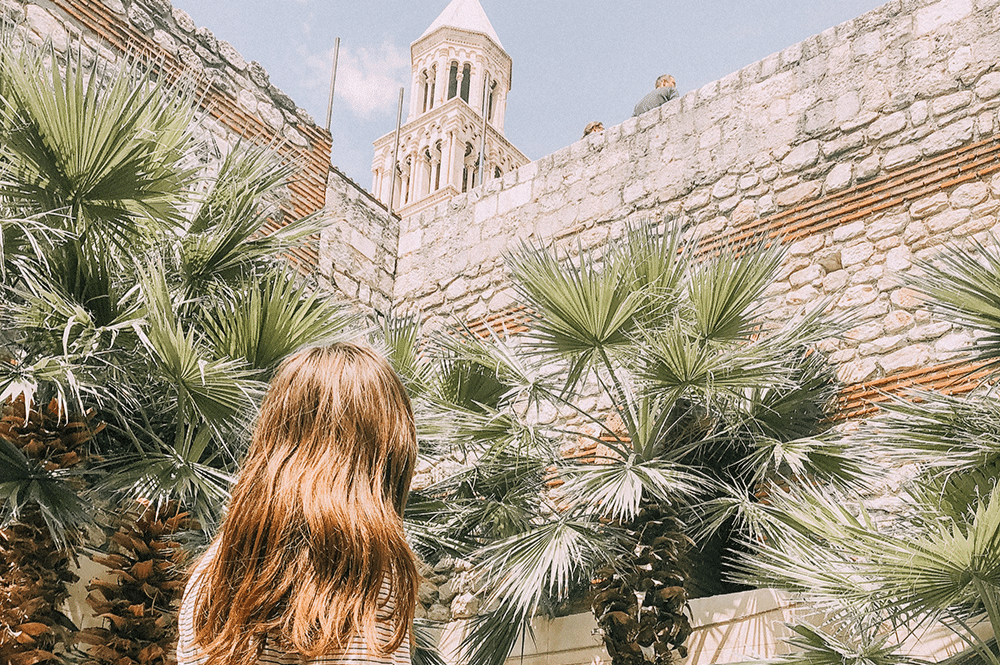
469 169
433 85
437 166
453 80
425 88
466 81
491 101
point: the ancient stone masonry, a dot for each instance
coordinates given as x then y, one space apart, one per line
863 148
358 249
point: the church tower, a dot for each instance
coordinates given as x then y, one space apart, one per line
460 79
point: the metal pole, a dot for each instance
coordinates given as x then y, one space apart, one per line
395 151
333 82
482 142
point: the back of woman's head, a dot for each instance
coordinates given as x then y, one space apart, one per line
312 549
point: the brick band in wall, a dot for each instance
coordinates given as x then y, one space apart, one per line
307 188
976 161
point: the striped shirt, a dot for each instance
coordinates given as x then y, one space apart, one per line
357 652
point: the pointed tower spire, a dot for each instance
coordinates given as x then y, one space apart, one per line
453 137
464 15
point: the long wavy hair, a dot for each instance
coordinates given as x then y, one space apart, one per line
312 550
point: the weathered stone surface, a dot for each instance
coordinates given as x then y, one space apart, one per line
948 103
801 157
941 13
887 126
857 253
969 194
798 193
988 86
859 371
858 295
947 220
183 20
233 57
140 19
849 231
47 26
903 155
839 178
910 357
897 320
952 136
929 205
885 227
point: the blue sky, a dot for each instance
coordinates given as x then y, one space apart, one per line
574 60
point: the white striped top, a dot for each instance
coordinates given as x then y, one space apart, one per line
357 652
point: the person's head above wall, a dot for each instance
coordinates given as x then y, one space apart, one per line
666 81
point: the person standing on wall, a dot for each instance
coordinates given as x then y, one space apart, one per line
665 90
310 564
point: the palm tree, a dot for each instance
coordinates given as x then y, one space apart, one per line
137 288
698 394
936 563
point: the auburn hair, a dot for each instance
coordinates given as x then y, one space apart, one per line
312 550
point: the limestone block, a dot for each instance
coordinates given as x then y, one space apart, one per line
188 57
950 137
865 333
810 275
995 185
806 294
247 100
842 356
882 345
858 371
48 26
949 103
856 254
847 106
954 342
885 244
868 274
347 286
749 181
807 246
929 331
258 74
887 226
698 199
849 231
969 195
887 126
465 606
514 197
929 205
183 20
140 19
744 213
765 204
869 168
836 281
985 124
910 357
116 6
363 244
843 144
856 296
725 187
165 40
898 259
906 298
931 18
861 120
295 137
903 155
897 320
801 157
839 178
947 220
988 86
830 259
798 193
438 612
231 55
918 113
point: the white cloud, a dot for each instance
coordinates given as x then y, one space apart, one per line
368 78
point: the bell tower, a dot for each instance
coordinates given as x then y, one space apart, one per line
461 76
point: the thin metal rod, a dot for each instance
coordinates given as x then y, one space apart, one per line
395 151
482 142
333 83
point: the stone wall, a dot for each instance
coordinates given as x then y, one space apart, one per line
358 248
864 147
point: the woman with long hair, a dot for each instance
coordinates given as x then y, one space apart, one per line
310 563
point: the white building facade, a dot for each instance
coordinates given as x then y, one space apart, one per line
461 76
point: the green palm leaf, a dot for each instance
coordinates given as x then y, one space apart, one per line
268 318
25 484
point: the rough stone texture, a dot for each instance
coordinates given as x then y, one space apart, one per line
358 247
907 82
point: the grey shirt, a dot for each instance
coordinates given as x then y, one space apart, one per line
654 99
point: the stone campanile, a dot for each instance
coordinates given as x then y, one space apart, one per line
460 79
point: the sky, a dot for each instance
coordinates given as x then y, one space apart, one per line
574 60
